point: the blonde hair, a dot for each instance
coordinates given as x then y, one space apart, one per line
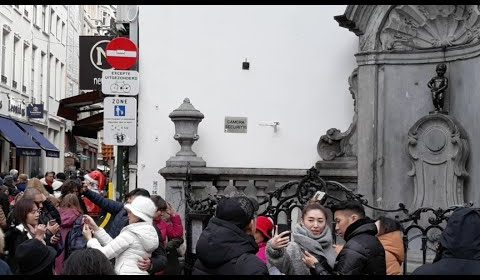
23 178
71 201
37 184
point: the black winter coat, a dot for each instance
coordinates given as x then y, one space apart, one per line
115 208
225 249
363 253
460 246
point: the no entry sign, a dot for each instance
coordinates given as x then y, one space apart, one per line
122 53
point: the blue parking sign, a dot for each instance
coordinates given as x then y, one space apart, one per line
119 111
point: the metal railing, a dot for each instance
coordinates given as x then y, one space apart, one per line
282 203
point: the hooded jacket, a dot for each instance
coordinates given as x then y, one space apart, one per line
460 243
363 253
68 216
225 249
392 242
135 241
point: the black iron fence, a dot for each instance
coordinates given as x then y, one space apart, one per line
422 226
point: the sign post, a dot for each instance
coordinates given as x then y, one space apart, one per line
120 121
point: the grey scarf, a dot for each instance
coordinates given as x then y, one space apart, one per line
316 245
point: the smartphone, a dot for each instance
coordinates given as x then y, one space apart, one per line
318 196
282 228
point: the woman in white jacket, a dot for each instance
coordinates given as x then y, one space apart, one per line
135 242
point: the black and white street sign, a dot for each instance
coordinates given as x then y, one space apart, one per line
120 82
93 60
120 121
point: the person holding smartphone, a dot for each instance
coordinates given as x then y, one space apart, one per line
311 246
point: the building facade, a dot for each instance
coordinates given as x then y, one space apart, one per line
39 66
300 62
33 71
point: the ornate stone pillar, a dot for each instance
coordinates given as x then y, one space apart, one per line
438 148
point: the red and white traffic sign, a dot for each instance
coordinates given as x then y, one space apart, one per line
122 53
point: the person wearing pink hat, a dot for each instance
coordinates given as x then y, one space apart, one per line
262 235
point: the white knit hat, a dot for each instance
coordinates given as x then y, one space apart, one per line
142 207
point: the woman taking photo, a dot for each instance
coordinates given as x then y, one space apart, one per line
135 242
27 214
311 244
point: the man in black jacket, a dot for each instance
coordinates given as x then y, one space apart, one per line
227 246
362 253
459 248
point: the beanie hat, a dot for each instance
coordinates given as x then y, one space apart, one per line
265 226
33 256
142 207
239 210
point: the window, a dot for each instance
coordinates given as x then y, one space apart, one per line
42 65
34 14
57 26
32 84
14 63
52 21
44 17
62 80
57 80
51 92
104 19
24 70
62 39
4 49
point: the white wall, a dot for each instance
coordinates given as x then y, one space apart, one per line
300 60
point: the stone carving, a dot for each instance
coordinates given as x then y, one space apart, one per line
438 148
438 86
411 27
335 143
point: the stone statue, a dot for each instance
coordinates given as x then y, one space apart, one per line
438 85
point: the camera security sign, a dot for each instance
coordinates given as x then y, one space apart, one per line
120 121
120 82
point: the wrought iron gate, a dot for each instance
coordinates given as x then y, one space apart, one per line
283 202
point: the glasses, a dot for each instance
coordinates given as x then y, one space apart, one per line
35 211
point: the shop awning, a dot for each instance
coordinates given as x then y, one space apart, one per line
70 107
23 142
50 149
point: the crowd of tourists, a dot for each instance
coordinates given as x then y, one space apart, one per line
47 229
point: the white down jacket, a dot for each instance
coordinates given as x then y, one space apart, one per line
134 242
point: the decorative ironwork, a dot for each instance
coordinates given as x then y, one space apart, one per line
304 190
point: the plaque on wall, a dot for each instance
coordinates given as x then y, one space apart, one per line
236 124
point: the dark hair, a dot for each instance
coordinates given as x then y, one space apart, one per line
87 261
160 203
137 192
61 176
352 205
388 225
70 186
314 205
22 208
50 172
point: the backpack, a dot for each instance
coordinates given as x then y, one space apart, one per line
75 240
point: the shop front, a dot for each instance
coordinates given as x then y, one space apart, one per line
21 144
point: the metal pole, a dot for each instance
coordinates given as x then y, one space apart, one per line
133 151
47 115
